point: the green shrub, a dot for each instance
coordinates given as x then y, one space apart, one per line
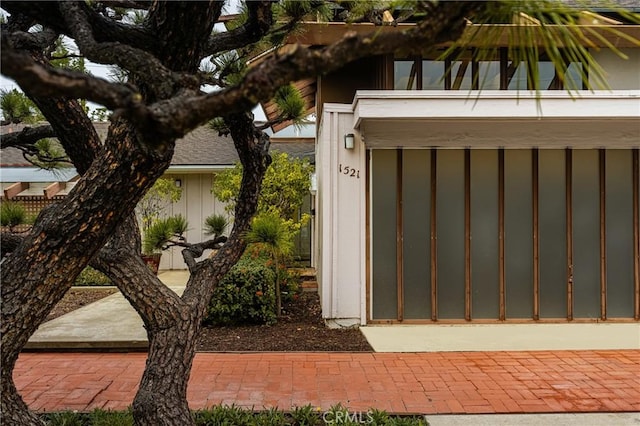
215 225
159 234
233 415
246 295
306 416
65 418
223 415
12 214
91 277
288 278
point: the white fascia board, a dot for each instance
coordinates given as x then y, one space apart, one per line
466 105
198 168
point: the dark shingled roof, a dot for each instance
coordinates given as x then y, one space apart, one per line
204 146
201 147
12 157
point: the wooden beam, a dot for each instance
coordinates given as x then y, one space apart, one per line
589 18
504 67
367 191
462 70
475 71
569 219
51 190
399 236
475 35
467 234
603 235
536 235
434 237
412 76
501 242
522 19
14 189
636 235
447 73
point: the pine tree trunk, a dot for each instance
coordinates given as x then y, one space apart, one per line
162 396
14 410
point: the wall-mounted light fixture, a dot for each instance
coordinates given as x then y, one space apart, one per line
349 141
313 183
178 183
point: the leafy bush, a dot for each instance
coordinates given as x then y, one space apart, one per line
289 279
91 277
246 295
285 186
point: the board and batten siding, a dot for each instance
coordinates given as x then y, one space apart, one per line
197 202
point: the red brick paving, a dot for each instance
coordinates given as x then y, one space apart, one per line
429 383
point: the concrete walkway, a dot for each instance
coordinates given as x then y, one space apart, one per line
109 323
502 337
426 383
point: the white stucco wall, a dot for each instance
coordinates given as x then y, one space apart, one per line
620 74
341 205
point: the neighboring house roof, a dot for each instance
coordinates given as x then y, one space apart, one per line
12 157
202 147
202 150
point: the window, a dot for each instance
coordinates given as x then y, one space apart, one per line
466 72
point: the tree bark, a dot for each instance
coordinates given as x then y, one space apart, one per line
63 241
14 410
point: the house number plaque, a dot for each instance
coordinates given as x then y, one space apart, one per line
349 171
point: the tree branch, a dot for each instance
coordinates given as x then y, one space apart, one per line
44 81
166 20
258 24
48 13
120 260
26 137
127 4
10 241
194 251
145 66
32 41
182 114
